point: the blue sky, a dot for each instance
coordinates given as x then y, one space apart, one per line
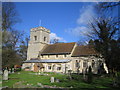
66 21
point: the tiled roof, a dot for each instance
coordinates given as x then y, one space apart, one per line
58 48
84 50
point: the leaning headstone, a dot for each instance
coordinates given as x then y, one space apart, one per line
12 70
39 84
52 79
5 75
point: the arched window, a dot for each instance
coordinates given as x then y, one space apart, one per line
77 63
58 68
49 67
84 64
93 63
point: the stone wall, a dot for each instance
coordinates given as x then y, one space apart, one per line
39 38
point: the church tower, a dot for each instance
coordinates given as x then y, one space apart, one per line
39 37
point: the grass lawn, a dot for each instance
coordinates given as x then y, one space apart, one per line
30 78
0 81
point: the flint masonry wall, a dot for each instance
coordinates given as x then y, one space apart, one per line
39 37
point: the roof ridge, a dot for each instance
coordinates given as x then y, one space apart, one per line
63 43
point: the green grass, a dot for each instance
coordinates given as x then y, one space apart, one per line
0 80
27 78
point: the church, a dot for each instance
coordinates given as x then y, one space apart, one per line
59 57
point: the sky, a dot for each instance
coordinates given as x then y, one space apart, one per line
67 21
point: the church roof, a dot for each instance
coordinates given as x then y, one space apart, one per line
58 48
84 51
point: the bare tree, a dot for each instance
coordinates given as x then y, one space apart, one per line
23 48
107 9
9 16
103 31
103 6
10 37
102 28
79 43
54 41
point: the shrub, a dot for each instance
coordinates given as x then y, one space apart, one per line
76 77
18 69
89 75
118 78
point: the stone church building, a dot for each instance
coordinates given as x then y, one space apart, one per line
59 57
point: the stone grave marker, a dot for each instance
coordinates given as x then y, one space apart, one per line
1 72
5 75
52 79
57 80
18 73
12 70
39 72
39 84
9 71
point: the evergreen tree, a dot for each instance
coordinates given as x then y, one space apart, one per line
89 75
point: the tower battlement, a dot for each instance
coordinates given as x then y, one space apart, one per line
40 28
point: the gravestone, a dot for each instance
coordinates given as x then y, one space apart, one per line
84 76
5 75
39 84
12 70
52 79
1 72
57 80
39 72
9 71
18 73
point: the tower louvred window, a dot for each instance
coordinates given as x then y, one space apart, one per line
44 38
35 37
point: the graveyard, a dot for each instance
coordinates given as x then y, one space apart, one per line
29 79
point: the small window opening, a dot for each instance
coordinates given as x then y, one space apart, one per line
93 63
35 38
49 67
77 63
58 68
84 64
44 38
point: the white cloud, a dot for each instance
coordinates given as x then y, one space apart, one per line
54 36
86 15
77 31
